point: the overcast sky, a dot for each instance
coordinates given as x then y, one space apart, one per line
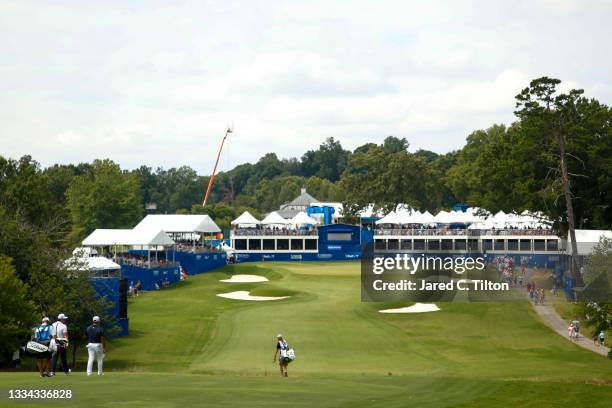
156 83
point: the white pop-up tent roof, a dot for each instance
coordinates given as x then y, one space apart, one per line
128 237
391 218
302 218
178 223
246 219
93 263
424 218
443 217
275 218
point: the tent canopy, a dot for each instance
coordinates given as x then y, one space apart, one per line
302 218
474 217
391 218
178 223
274 218
127 237
94 263
246 219
456 217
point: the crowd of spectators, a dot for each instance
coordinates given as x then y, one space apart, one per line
142 261
273 230
424 230
189 246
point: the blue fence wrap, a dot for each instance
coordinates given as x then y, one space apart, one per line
149 277
108 288
195 263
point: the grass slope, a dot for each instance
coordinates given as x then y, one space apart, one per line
188 345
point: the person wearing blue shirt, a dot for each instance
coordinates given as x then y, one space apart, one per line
42 335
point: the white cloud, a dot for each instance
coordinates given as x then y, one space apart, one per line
158 83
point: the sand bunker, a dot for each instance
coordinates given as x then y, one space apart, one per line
244 295
416 308
245 279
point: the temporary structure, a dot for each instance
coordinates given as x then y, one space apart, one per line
302 218
94 263
391 218
128 237
246 220
178 223
275 218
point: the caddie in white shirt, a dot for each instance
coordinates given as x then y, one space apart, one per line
59 335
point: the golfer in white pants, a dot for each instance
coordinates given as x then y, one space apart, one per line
96 346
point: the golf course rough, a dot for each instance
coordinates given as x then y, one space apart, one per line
190 347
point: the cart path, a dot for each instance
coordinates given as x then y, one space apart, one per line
552 319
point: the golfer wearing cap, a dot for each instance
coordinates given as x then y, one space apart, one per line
59 333
281 351
96 348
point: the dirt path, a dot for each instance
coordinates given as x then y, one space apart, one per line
550 316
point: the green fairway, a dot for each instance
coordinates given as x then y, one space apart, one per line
188 346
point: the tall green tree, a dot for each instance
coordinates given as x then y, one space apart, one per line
385 176
557 120
104 198
328 162
18 312
24 189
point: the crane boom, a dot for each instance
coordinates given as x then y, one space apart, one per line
212 177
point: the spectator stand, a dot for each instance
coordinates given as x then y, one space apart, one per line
195 237
150 269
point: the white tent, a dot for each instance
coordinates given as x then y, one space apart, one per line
94 263
425 218
405 217
128 237
456 217
274 218
391 218
178 223
443 217
246 219
302 218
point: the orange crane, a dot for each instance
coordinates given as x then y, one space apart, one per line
212 177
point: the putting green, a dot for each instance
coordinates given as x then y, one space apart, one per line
188 345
